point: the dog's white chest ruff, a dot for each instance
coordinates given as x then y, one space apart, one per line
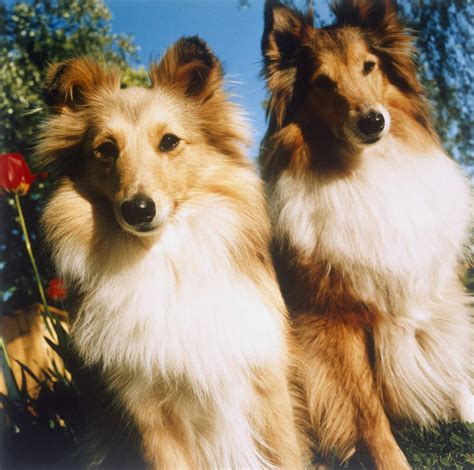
179 309
393 220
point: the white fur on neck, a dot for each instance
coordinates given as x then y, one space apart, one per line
396 224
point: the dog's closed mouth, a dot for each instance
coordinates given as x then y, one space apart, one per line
371 140
146 228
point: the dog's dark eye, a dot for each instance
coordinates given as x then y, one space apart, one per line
169 142
324 82
107 151
368 66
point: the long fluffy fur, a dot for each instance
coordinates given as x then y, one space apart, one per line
367 238
186 325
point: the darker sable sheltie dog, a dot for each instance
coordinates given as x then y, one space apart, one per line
159 227
369 218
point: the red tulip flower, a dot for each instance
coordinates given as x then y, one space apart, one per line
15 175
16 178
56 289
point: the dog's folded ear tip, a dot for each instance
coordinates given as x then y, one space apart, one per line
69 82
189 64
270 5
193 44
54 82
366 13
192 48
195 41
280 17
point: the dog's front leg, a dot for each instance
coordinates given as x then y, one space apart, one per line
285 443
344 406
163 446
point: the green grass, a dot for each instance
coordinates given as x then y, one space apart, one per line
451 446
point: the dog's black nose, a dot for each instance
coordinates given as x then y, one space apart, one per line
139 210
371 124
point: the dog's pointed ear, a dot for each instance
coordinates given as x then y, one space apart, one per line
387 35
283 35
70 83
190 67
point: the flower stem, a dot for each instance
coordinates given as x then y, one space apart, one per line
47 315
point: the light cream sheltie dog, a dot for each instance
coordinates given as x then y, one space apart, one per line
159 227
369 218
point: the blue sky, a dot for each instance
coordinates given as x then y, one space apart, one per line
233 33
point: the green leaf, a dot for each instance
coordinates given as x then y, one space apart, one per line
10 382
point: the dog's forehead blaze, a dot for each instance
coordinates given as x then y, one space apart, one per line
337 46
138 110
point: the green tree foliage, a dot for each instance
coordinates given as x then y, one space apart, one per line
445 43
34 34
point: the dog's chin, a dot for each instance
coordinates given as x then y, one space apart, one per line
363 141
358 140
142 230
371 140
